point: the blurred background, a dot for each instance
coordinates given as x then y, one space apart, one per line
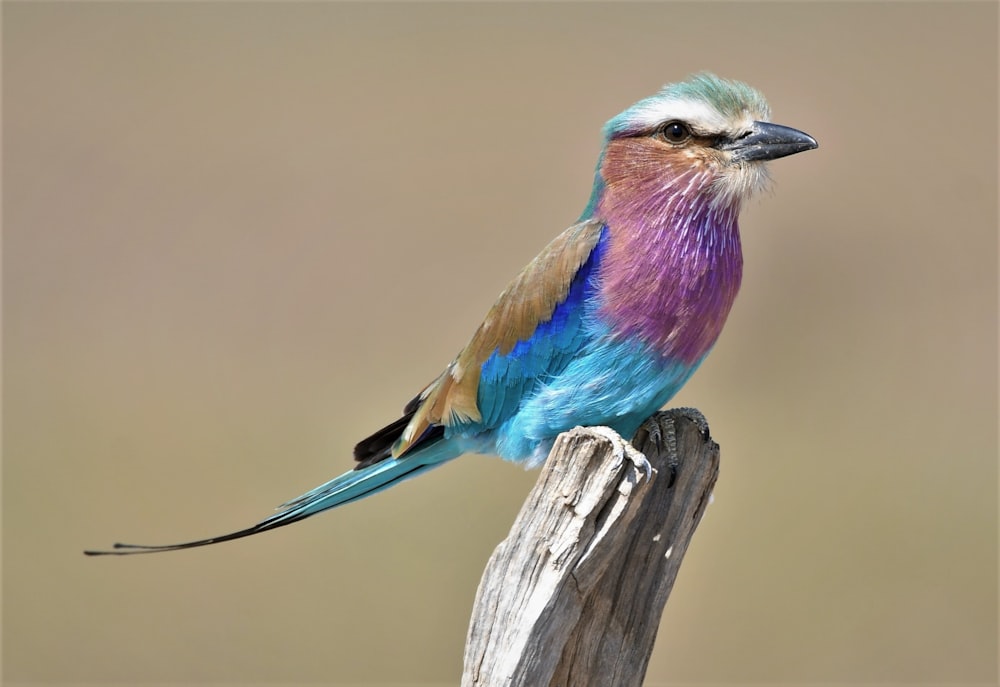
239 237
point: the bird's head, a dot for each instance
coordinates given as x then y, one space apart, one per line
706 138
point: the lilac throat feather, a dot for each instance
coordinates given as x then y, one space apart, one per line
674 260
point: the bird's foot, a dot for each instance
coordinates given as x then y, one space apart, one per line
695 416
630 452
656 437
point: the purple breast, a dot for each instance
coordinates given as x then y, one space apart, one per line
671 271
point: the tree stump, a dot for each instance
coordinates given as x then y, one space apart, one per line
573 596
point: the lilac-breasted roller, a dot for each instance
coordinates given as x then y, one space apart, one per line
611 318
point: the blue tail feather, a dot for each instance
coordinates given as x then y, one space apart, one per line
348 487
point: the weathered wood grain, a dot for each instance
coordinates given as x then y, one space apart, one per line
573 596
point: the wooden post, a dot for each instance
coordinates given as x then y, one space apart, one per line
573 596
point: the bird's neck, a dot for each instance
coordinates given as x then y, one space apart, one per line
673 263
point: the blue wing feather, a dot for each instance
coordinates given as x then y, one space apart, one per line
505 380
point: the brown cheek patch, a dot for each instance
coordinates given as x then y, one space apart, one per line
641 161
644 162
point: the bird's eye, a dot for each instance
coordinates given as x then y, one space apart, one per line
675 132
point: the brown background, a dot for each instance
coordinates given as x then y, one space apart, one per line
239 237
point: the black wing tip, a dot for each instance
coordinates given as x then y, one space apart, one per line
378 446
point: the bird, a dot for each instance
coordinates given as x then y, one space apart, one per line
613 316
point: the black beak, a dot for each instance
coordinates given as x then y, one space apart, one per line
767 141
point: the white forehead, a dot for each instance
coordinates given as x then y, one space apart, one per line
703 117
710 105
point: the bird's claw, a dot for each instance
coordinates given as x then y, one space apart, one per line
639 460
